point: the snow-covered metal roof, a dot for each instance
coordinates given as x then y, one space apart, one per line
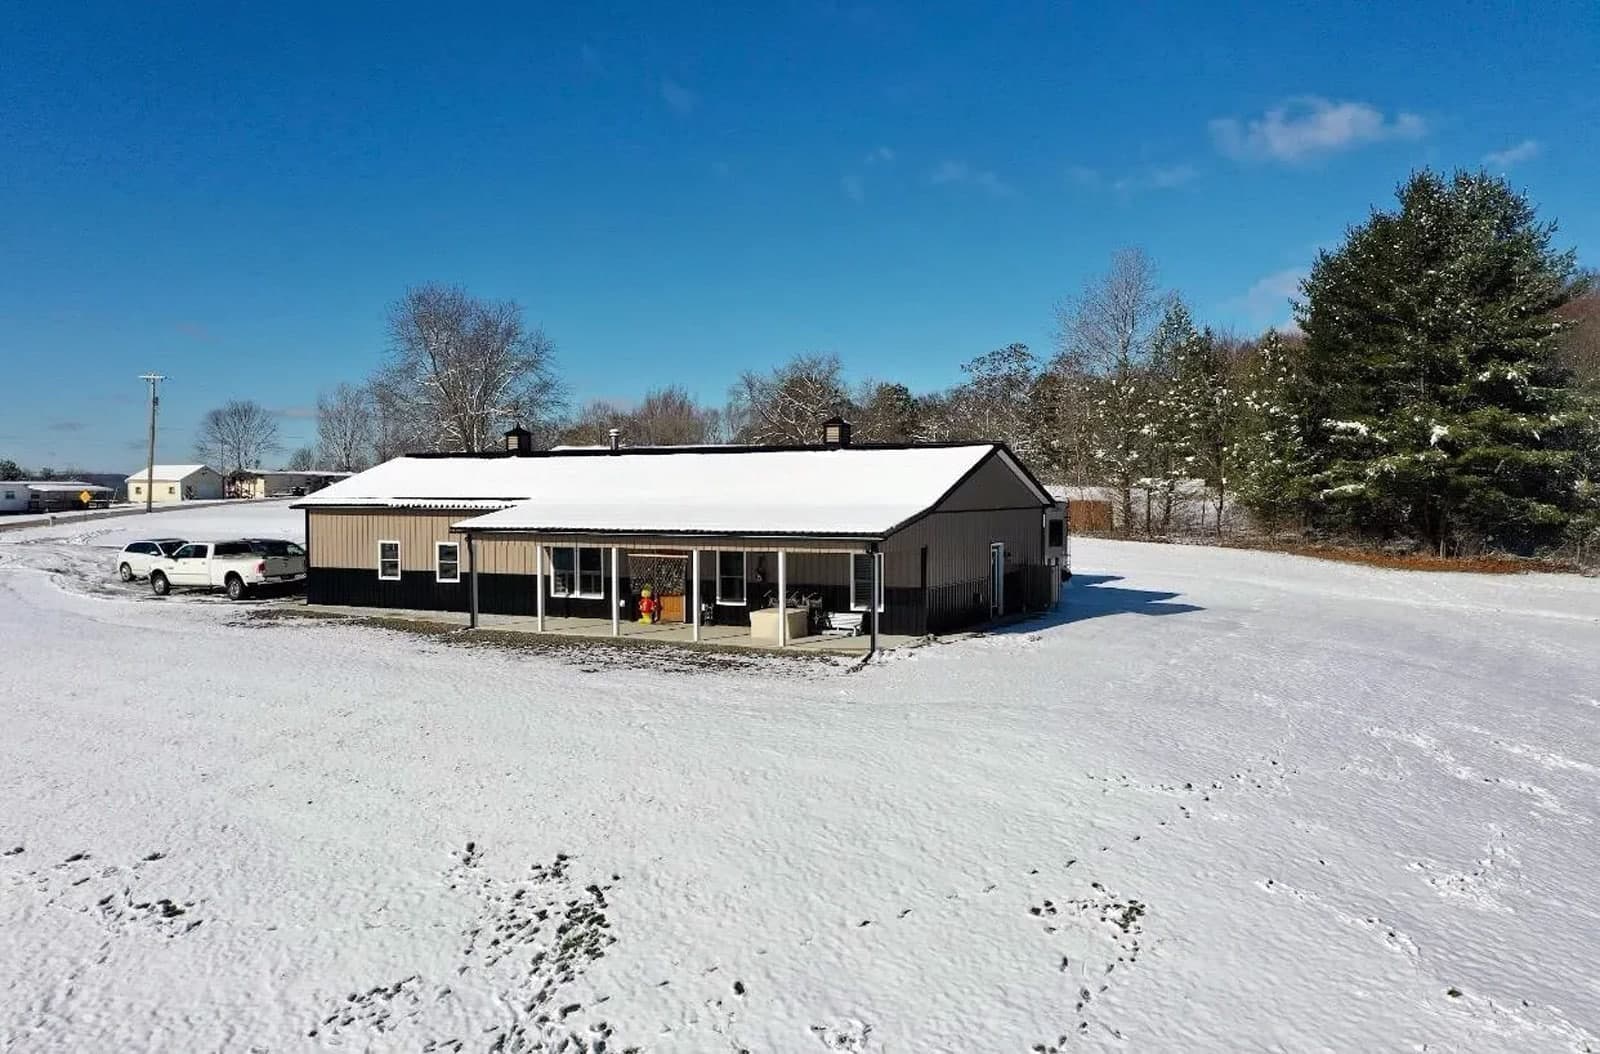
169 472
839 491
55 486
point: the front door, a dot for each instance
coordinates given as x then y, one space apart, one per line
997 578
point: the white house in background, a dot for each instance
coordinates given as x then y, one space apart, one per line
169 483
14 496
57 495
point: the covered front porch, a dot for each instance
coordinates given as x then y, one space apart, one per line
760 592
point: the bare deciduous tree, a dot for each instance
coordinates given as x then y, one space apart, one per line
346 428
996 400
302 460
1580 339
664 417
670 417
789 404
237 435
461 369
1107 332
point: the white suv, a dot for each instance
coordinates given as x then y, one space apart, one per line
136 558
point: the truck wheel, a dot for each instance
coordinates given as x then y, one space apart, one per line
125 573
159 584
236 590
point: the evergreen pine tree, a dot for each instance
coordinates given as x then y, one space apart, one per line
1431 340
1274 453
1163 427
1205 416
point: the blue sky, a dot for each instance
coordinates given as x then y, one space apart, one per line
231 194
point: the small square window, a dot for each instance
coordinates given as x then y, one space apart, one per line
730 578
389 561
447 565
172 490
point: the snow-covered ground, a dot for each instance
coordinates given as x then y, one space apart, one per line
1227 800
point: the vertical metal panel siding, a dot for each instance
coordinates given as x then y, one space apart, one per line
349 538
993 486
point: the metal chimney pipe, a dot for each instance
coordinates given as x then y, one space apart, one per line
616 440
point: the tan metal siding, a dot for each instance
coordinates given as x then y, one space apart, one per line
349 537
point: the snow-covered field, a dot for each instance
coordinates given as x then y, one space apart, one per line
1227 800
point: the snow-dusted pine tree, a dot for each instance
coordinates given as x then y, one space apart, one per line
1276 469
1431 339
1204 416
1167 416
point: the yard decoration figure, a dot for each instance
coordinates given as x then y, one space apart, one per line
648 605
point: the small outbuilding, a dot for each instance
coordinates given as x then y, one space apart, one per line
170 483
280 482
906 539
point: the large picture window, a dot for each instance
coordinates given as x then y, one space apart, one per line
389 560
730 578
861 582
447 562
577 572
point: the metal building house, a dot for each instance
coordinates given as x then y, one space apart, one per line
901 539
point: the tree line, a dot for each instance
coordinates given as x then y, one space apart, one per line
1440 385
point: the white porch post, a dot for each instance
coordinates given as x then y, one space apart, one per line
616 591
538 582
783 598
694 570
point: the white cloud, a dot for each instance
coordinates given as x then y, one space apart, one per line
1305 127
1266 302
679 100
883 155
1149 177
1526 150
1161 177
959 173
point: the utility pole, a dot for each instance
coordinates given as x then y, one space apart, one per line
150 455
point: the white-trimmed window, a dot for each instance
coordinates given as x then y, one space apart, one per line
730 578
389 561
447 562
578 571
861 581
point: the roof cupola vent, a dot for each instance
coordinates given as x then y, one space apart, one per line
836 432
519 440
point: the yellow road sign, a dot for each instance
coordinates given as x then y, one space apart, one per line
84 496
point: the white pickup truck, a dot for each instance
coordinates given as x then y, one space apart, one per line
237 566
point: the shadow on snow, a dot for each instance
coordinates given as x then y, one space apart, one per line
1092 596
